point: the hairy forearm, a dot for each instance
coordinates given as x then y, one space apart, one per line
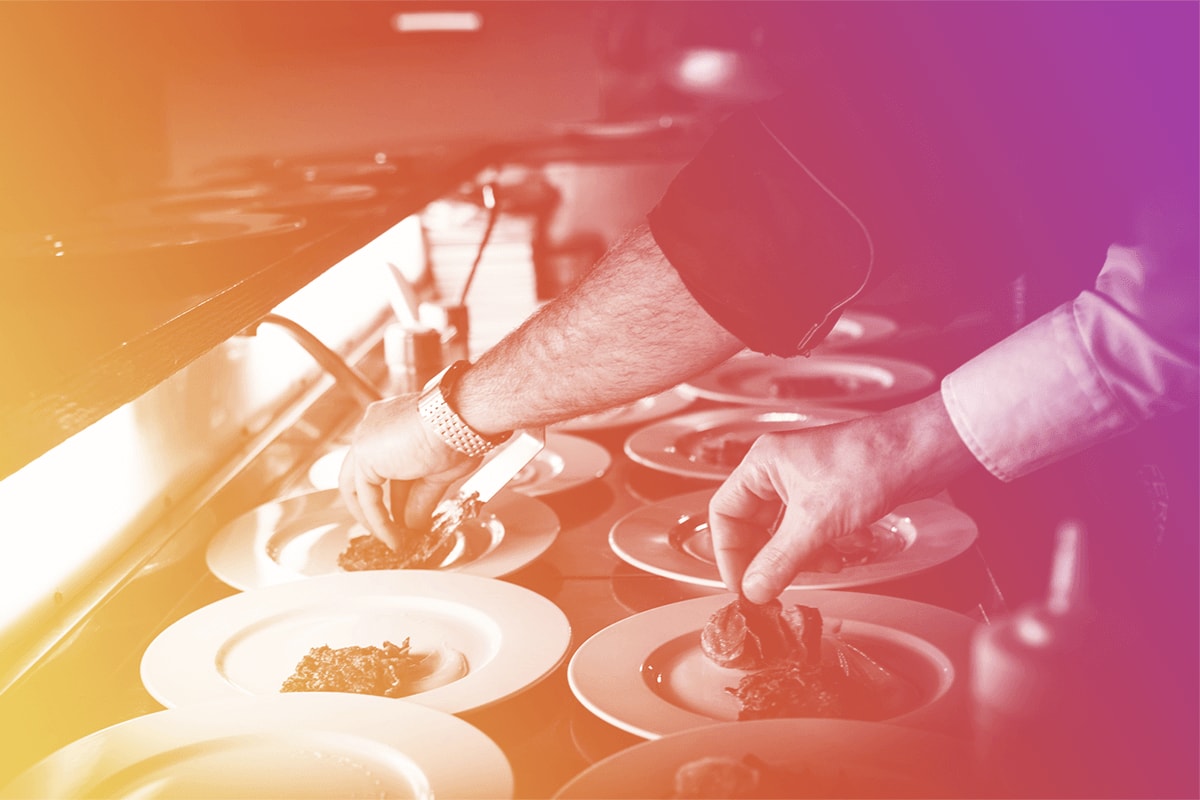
629 329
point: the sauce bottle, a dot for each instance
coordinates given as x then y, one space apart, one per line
1032 689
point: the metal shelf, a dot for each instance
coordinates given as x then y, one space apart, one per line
83 339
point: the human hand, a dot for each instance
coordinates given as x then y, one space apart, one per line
397 470
795 491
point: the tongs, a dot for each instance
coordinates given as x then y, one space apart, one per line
496 472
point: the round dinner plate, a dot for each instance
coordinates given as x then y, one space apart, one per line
802 757
797 382
254 198
566 462
294 746
671 539
251 642
301 537
857 328
637 412
139 235
709 444
647 674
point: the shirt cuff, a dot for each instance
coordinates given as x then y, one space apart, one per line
1081 374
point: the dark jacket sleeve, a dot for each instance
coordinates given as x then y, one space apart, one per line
765 245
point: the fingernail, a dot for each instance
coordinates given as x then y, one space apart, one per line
755 584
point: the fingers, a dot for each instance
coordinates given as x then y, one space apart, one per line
348 489
769 518
368 501
373 502
739 521
794 544
422 498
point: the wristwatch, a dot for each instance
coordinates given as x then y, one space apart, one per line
436 407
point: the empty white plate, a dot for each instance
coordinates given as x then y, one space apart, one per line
643 410
295 746
858 328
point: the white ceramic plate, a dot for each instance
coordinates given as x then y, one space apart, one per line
834 758
637 412
647 674
671 539
566 462
254 198
709 444
142 234
323 474
295 746
301 537
858 328
623 129
250 643
798 382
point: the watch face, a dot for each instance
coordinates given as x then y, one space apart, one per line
449 380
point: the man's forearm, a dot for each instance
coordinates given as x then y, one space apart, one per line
627 330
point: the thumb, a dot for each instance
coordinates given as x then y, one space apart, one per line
780 559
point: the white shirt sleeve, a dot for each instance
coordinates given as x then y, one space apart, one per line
1092 368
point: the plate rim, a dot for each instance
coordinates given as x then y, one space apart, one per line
179 667
876 327
705 740
911 377
664 403
687 424
648 524
587 461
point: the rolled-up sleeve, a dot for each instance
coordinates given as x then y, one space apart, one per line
764 245
1088 370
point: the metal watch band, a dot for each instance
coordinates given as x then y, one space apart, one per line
434 407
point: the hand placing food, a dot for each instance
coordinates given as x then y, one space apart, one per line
397 470
796 492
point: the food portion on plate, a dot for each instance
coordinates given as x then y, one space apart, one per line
672 539
459 538
751 777
845 655
793 668
796 382
388 671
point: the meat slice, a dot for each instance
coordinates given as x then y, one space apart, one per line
745 635
787 690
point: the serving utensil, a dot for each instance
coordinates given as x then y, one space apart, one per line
479 488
